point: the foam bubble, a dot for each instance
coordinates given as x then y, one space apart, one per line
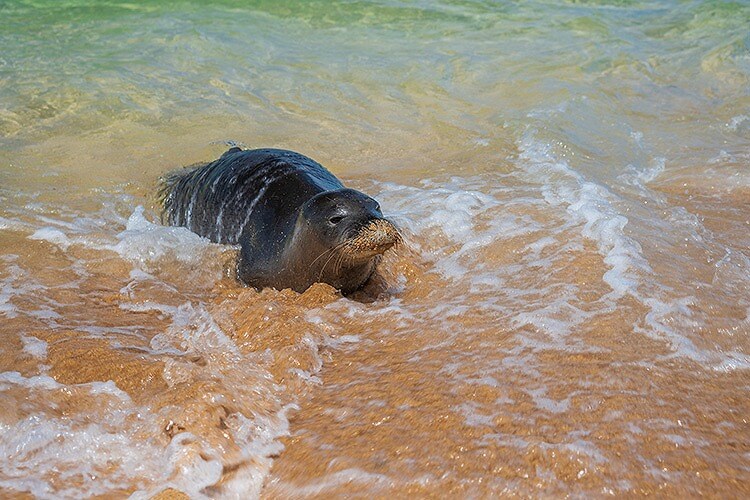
547 404
113 444
144 242
594 209
473 417
15 283
12 225
34 346
10 379
589 204
52 235
141 241
238 376
334 480
736 121
454 222
82 445
193 330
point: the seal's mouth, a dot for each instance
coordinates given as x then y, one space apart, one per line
373 238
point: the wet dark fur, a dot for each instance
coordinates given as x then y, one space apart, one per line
278 206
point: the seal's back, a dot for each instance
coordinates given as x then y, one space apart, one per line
219 199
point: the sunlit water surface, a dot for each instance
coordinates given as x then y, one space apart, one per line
568 315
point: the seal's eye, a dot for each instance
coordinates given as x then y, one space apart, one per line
336 219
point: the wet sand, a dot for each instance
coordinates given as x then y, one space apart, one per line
392 401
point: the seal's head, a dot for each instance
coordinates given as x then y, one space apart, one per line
351 234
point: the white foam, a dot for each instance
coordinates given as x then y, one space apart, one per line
193 330
142 242
260 435
452 211
473 417
594 208
306 376
639 177
592 205
192 467
10 379
52 235
16 283
7 309
145 243
12 225
333 480
109 388
454 222
736 121
241 378
732 360
545 403
82 446
34 346
557 316
119 436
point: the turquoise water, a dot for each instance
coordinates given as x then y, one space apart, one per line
573 181
672 71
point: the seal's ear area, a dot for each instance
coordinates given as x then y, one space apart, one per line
319 207
358 204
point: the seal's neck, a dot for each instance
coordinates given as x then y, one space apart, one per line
353 277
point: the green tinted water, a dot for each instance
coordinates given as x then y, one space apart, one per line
372 71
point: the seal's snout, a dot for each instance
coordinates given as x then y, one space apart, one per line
382 233
374 238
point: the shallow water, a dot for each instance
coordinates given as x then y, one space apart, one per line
568 315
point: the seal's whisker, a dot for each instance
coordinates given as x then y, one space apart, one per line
339 263
333 254
330 250
336 264
321 255
322 269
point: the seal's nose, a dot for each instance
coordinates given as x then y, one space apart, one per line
379 235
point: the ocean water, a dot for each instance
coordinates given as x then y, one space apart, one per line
569 314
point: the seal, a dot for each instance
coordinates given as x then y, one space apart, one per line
295 222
